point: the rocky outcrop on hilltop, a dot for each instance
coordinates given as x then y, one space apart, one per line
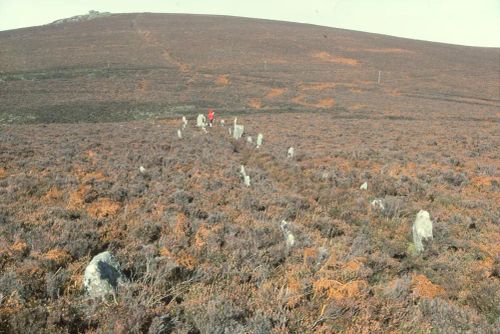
79 18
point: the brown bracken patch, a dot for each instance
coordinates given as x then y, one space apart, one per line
325 56
53 194
325 103
103 207
76 198
57 255
223 80
424 288
275 92
255 103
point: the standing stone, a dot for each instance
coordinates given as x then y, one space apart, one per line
378 203
260 137
290 153
230 130
289 237
364 186
238 131
102 276
184 122
242 171
249 140
246 180
179 134
422 230
142 169
201 121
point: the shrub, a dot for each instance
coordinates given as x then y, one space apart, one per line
220 316
329 228
56 282
446 317
30 320
456 180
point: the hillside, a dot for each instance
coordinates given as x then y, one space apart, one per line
91 161
133 66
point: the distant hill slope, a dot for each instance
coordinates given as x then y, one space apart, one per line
130 66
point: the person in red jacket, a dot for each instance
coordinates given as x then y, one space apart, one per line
211 116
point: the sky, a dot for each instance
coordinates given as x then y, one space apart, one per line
465 22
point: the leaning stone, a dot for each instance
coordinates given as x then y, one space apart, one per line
364 186
260 137
102 276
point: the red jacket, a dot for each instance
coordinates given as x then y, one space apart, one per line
211 115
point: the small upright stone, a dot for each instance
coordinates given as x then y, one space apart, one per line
422 230
290 153
260 137
142 169
364 186
222 122
378 203
179 134
249 139
246 180
238 131
289 237
102 276
201 121
184 122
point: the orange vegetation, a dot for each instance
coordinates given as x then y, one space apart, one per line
325 56
76 198
319 86
323 103
255 103
53 194
338 291
275 92
57 255
143 86
223 80
388 50
103 207
424 288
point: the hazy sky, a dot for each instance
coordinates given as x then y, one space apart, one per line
467 22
